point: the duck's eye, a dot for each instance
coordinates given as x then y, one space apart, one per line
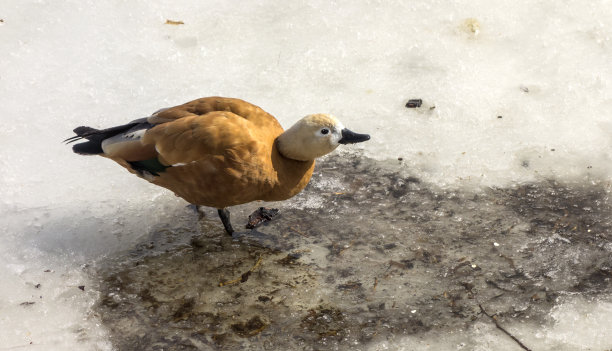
324 131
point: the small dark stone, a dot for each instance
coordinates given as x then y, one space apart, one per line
413 180
82 287
347 272
264 298
414 103
27 303
499 117
467 285
37 286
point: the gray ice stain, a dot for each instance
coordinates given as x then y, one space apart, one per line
366 254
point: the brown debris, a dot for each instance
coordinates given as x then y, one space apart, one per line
174 23
325 322
219 338
184 310
290 259
403 264
249 328
245 276
299 232
337 249
349 286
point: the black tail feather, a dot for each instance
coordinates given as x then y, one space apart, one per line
81 132
88 148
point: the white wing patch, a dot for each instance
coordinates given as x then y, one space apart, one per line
118 142
179 164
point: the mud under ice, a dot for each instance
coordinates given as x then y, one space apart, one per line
367 258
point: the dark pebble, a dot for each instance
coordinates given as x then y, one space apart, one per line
414 103
390 246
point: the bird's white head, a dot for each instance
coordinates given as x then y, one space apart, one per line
314 136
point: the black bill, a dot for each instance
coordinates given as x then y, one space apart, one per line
349 137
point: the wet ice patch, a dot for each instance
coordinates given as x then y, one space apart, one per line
389 262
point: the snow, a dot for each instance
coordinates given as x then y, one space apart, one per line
521 93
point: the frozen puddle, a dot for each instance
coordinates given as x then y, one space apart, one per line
369 258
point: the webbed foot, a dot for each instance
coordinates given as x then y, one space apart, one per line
261 215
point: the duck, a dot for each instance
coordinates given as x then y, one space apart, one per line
219 152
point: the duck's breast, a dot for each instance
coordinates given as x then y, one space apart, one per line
292 176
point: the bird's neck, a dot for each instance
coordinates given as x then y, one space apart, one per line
289 145
292 175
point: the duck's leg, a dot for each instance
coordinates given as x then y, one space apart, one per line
224 214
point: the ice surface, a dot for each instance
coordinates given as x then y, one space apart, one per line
521 93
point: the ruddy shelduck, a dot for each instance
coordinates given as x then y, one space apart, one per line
219 152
